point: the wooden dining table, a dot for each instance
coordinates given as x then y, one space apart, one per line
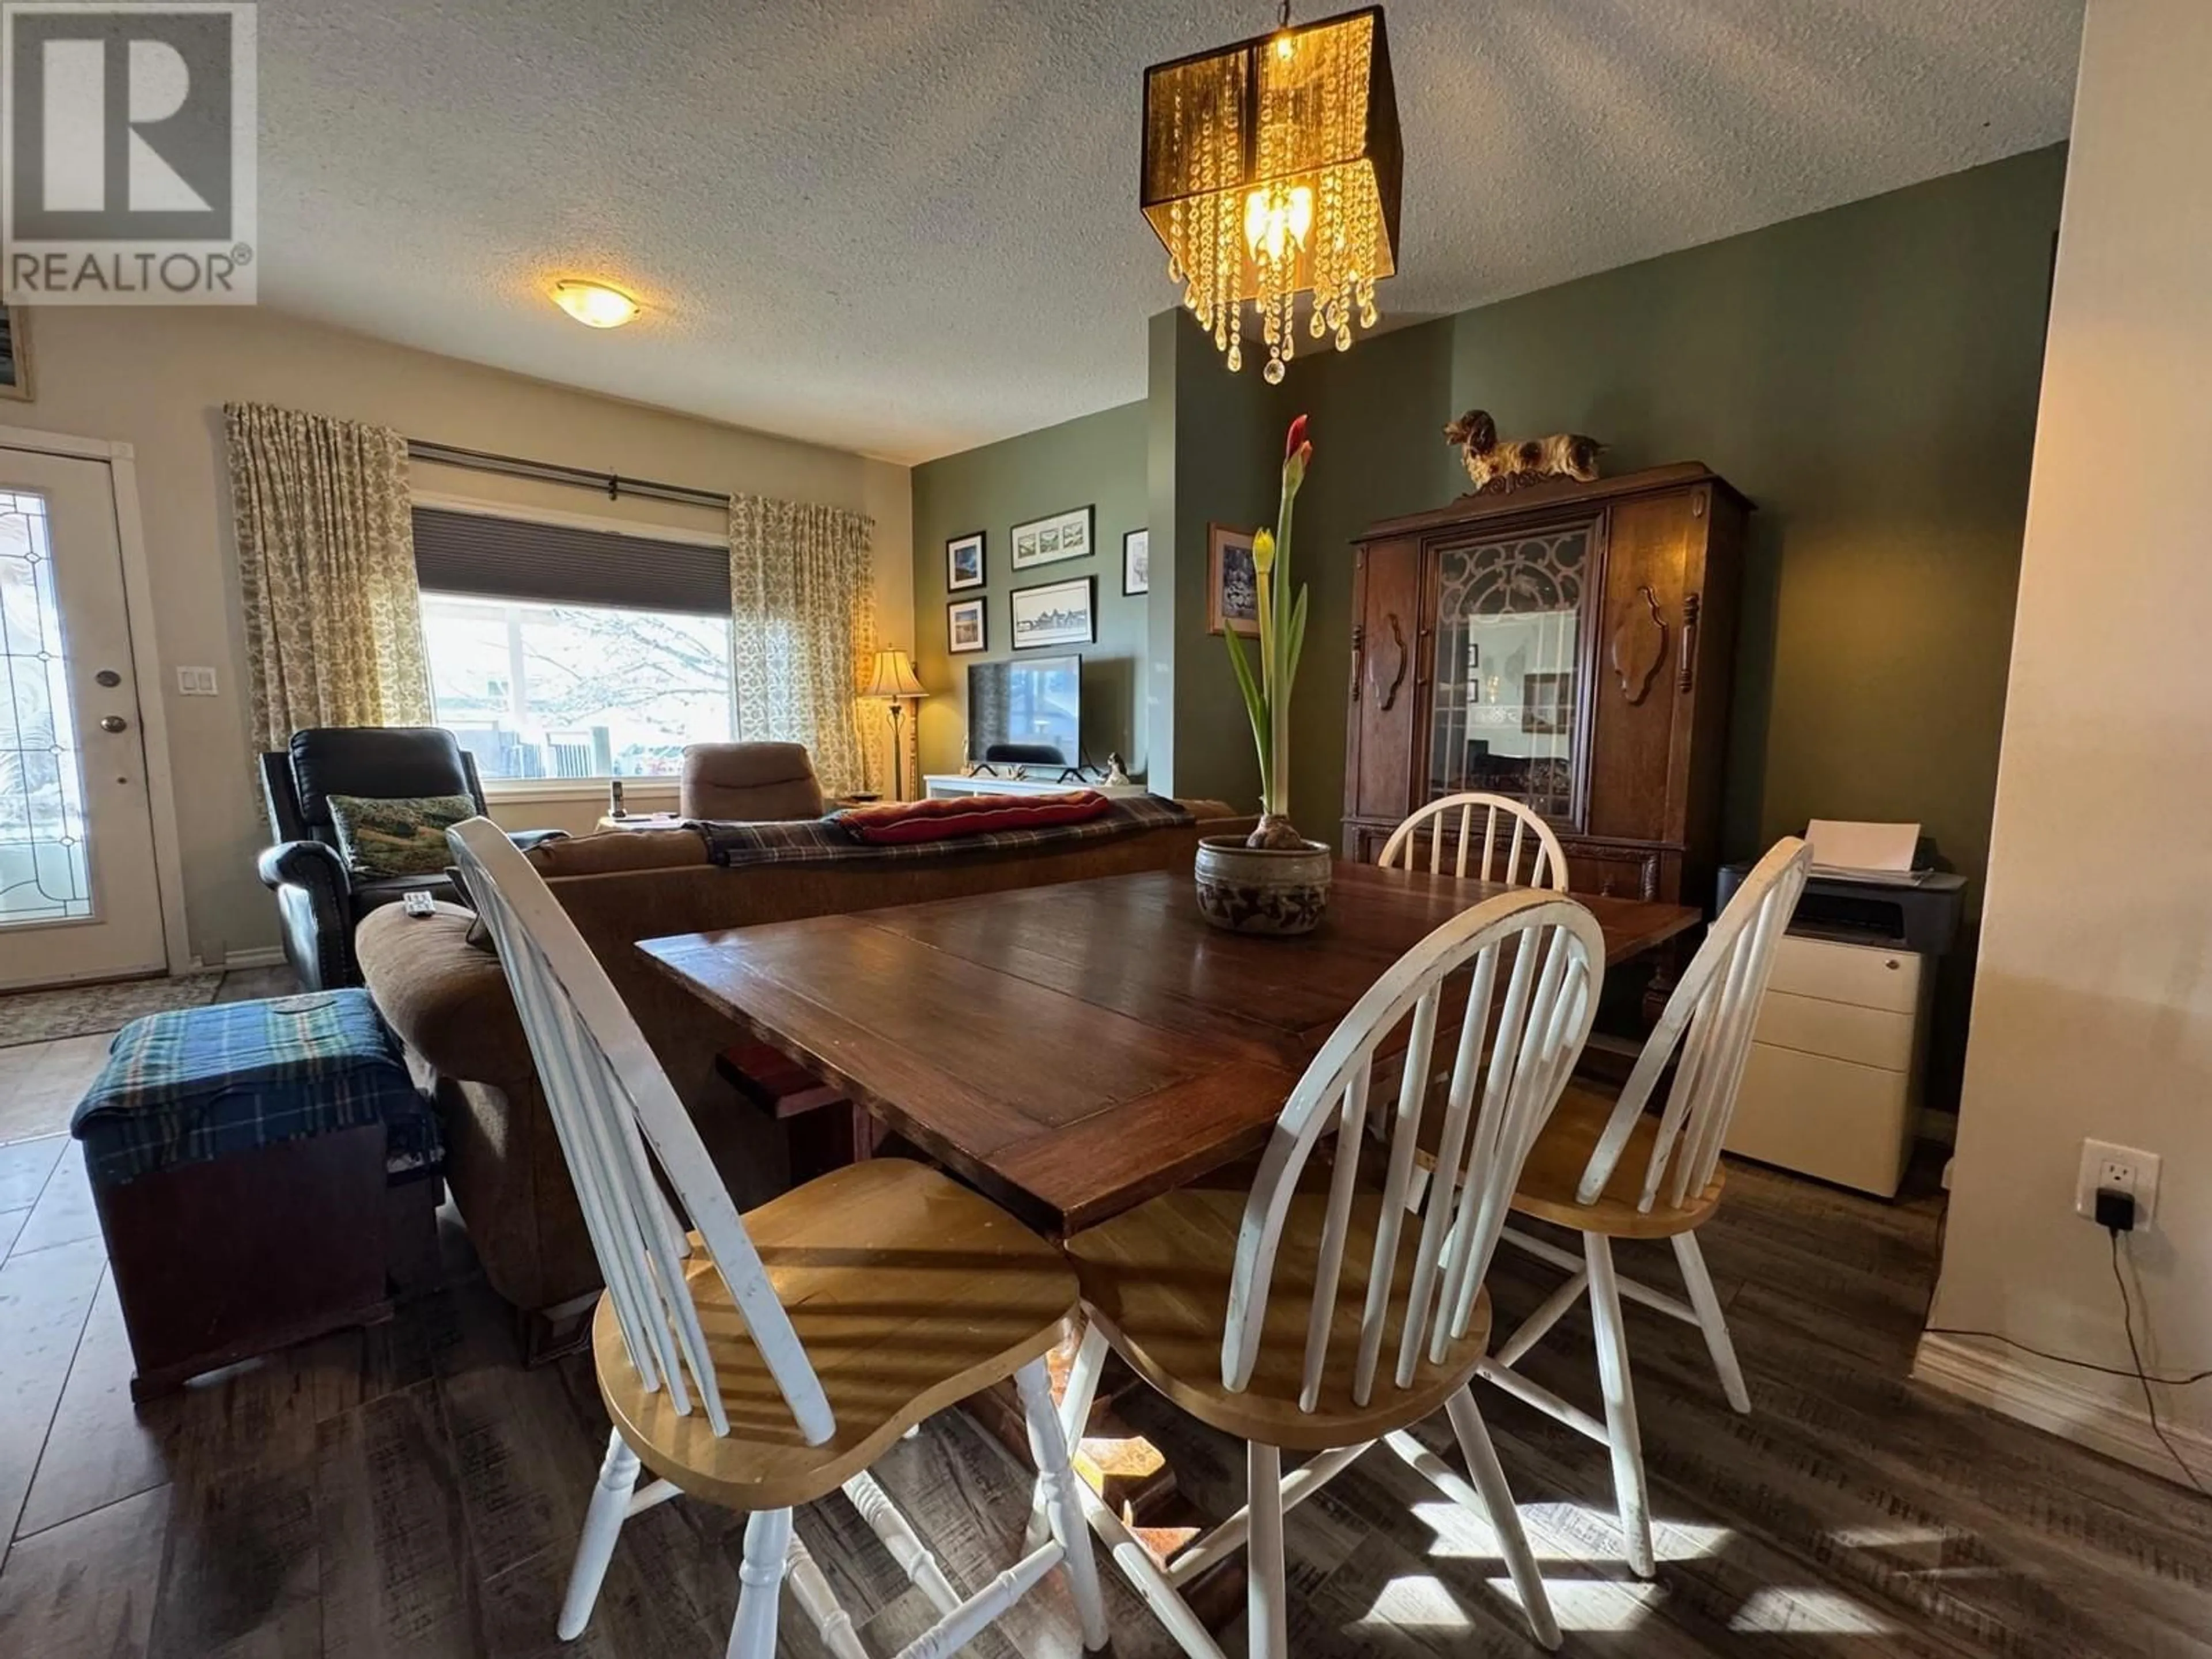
1075 1049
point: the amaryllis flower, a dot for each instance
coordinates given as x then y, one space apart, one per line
1297 454
1263 554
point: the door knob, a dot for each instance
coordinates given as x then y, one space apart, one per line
115 723
108 677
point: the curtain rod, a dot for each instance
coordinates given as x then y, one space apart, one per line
615 485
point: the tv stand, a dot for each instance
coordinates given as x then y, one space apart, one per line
936 785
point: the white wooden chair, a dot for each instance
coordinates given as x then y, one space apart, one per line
1610 1169
767 1359
1324 1321
1547 864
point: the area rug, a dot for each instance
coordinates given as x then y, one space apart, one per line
82 1010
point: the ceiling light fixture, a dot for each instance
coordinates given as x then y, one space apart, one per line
1272 168
595 305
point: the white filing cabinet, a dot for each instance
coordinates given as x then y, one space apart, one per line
1832 1085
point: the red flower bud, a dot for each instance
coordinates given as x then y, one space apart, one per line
1297 437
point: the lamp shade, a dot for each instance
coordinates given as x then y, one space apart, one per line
1272 168
893 677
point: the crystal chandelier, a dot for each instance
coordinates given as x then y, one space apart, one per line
1272 169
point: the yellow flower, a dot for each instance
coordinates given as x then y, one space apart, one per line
1263 552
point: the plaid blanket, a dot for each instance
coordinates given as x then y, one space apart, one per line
824 841
200 1084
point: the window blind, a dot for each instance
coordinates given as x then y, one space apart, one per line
489 557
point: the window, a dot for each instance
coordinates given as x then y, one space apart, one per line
537 690
560 653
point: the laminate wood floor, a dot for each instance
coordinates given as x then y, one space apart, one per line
412 1490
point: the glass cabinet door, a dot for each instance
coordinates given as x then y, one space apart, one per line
1509 643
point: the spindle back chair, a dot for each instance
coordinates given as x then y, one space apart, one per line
1334 1319
1614 1169
1548 864
966 1297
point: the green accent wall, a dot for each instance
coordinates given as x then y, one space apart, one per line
1216 453
1866 375
1377 414
1099 460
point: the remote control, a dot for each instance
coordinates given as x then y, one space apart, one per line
419 903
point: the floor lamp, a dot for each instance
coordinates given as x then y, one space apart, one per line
894 683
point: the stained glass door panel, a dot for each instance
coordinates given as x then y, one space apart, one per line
1509 639
79 897
45 873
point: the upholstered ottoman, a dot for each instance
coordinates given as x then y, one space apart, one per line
259 1169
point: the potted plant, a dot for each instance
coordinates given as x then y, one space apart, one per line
1274 880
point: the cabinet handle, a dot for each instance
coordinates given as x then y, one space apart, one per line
1692 604
1359 656
1398 678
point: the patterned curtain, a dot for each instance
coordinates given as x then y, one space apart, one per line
326 562
802 601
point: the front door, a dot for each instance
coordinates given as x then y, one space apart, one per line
78 895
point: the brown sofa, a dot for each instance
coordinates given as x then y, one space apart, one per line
448 1001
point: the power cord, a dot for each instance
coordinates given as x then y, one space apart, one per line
2150 1402
2116 1220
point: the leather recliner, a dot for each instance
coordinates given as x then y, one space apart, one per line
319 899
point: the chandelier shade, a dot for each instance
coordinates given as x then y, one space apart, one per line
1272 168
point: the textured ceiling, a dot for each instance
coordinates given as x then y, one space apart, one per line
908 228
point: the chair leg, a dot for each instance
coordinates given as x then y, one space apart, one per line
1056 1483
1707 1302
602 1525
1621 1434
760 1584
1503 1515
1268 1634
1083 1374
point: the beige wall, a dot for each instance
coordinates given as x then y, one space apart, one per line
2093 1014
157 379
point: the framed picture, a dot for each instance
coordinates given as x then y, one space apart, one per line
1547 704
963 561
1057 613
14 354
1136 557
1048 540
1232 585
964 629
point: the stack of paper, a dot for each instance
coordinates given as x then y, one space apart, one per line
1880 853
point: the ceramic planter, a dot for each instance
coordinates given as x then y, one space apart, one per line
1254 890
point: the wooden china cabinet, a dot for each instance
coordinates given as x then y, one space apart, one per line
1569 645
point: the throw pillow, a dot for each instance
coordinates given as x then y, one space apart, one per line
398 837
945 819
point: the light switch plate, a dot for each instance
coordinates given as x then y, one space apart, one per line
195 682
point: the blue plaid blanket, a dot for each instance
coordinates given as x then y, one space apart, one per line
824 841
201 1083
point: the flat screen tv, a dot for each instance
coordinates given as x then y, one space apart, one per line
1029 711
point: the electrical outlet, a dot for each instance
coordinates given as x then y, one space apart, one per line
2122 1169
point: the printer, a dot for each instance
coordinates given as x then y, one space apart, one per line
1833 1084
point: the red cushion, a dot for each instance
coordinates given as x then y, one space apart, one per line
969 815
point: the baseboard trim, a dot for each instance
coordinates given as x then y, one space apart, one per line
2018 1386
265 956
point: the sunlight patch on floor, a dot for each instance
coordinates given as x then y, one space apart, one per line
1560 1532
1923 1545
1805 1608
1416 1602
